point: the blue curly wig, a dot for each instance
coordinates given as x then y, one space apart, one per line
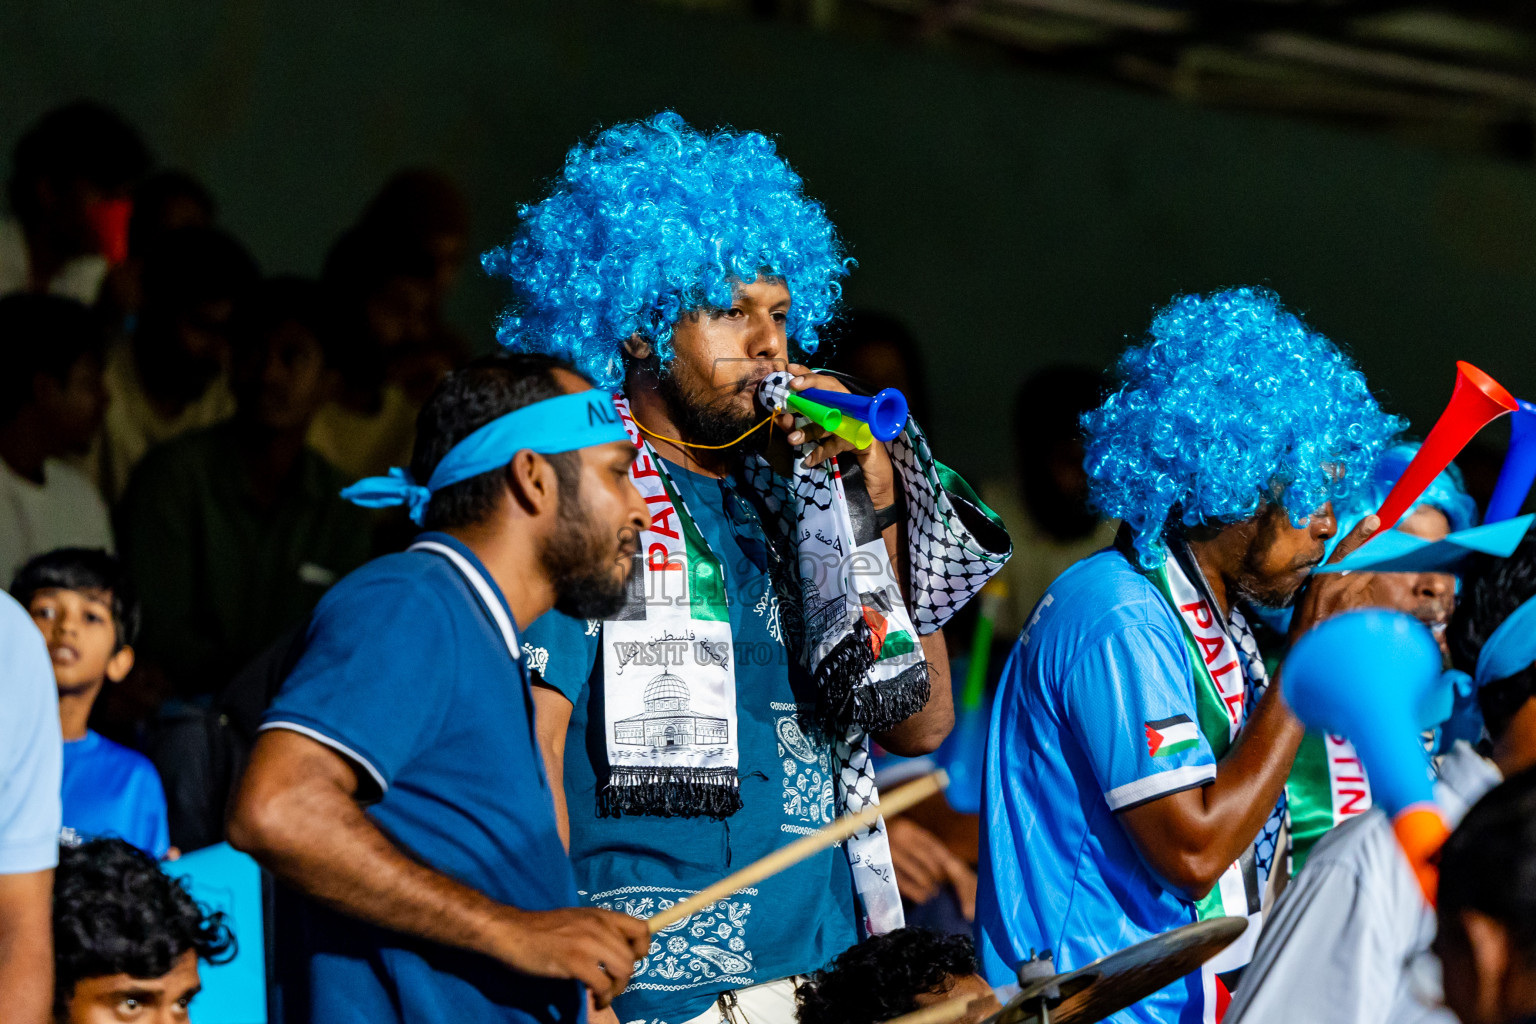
652 220
1231 402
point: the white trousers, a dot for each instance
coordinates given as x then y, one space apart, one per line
772 1002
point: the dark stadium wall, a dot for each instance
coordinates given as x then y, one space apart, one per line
1013 218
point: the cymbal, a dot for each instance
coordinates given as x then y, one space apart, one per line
1116 981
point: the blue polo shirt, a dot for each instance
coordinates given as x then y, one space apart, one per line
1095 714
110 790
791 923
30 754
407 675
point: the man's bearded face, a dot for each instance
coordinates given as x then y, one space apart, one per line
590 561
719 358
1280 556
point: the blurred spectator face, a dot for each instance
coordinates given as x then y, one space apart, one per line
400 313
83 217
71 176
82 642
193 278
282 380
424 209
165 202
881 364
201 333
1429 597
880 352
115 998
1048 447
448 253
72 409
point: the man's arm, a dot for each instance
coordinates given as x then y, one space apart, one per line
26 946
552 717
1190 837
297 813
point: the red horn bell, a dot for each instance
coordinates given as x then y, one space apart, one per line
1477 401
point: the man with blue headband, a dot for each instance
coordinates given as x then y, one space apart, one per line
1137 759
397 782
1349 939
790 589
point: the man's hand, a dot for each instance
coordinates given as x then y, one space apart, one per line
297 813
879 475
924 865
1324 596
605 1015
595 947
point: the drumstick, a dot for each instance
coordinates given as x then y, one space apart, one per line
892 804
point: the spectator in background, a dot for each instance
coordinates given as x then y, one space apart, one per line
51 405
426 209
1045 504
879 351
172 376
380 290
162 202
71 176
128 938
88 616
1487 908
30 759
233 532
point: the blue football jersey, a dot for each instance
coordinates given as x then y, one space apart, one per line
1095 714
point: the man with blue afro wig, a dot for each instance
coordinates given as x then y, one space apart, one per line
1137 760
728 707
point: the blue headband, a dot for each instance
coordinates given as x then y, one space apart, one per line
560 424
1512 646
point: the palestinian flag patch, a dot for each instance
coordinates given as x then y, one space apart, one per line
1171 736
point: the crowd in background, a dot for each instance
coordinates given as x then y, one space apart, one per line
167 402
175 431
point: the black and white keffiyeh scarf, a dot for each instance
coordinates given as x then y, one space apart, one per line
669 689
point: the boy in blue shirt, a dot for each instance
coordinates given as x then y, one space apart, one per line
81 601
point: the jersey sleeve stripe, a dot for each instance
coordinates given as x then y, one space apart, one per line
336 745
1163 783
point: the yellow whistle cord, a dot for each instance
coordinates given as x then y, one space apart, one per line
707 447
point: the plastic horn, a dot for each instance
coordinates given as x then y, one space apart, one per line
1519 467
885 411
831 420
1476 401
1373 676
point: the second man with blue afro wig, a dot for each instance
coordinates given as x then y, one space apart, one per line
728 707
1137 761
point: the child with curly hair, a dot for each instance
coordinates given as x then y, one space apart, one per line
127 937
1137 760
894 974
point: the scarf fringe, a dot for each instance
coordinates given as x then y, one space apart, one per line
670 792
848 698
